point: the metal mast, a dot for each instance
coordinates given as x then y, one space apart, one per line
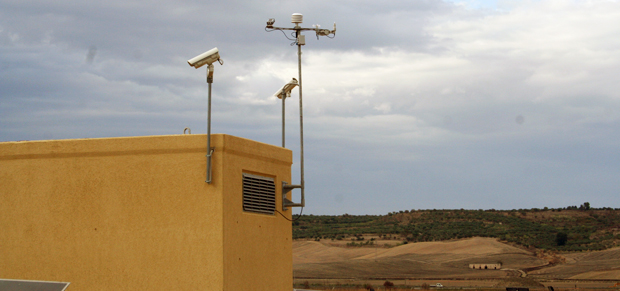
300 40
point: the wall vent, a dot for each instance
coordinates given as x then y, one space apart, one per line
259 194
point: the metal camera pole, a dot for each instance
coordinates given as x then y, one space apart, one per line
207 58
210 69
284 93
300 40
283 96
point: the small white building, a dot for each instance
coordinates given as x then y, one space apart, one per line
485 266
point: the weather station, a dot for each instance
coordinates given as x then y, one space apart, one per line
299 40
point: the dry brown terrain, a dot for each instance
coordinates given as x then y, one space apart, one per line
586 265
416 263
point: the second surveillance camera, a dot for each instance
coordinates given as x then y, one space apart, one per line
286 89
206 58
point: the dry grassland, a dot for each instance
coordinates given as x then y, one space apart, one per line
414 264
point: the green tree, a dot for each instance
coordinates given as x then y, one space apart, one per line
561 238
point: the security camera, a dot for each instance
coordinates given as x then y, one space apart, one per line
206 58
270 22
286 89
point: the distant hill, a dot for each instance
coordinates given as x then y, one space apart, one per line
565 229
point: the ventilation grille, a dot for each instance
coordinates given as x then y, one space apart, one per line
259 194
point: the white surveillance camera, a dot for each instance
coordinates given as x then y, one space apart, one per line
206 58
286 89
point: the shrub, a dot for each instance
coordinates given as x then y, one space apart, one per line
561 238
388 285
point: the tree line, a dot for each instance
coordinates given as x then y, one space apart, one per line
564 229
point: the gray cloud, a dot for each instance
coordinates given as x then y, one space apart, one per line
424 104
90 56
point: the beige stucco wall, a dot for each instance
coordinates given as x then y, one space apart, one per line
135 214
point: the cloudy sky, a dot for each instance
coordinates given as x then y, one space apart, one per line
413 105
